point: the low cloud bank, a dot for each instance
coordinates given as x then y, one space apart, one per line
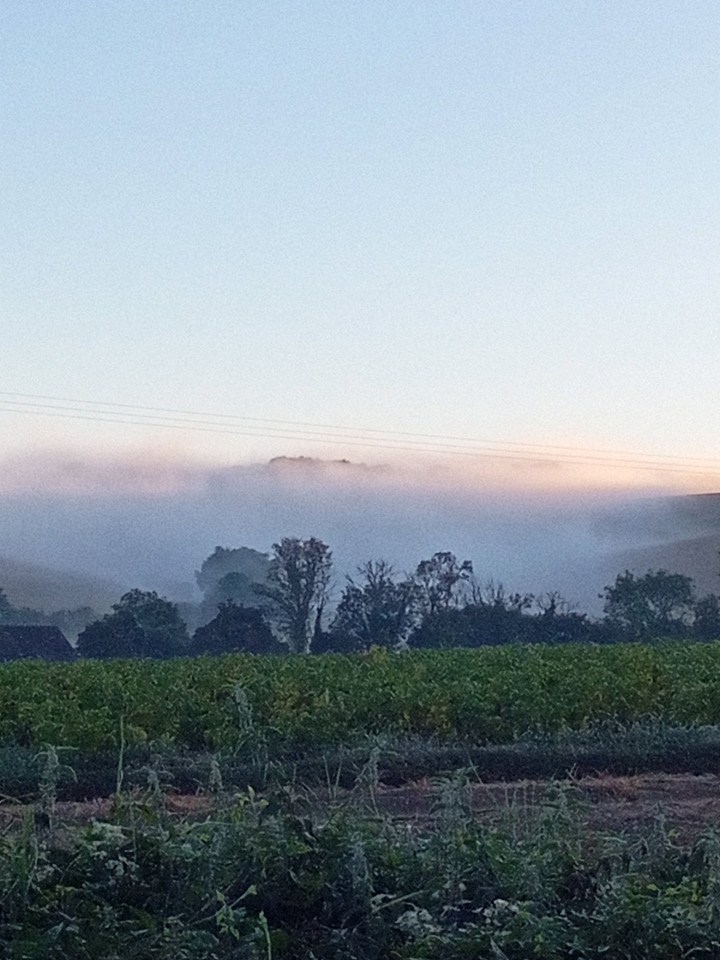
147 523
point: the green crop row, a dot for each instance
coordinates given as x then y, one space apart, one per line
492 695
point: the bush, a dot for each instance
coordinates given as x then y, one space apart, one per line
236 628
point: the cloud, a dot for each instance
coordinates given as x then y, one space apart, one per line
144 474
149 521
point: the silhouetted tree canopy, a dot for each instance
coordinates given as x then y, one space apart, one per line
376 610
475 625
252 564
498 617
442 581
658 604
142 624
236 628
706 625
276 603
6 608
298 584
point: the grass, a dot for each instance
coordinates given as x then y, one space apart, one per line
262 878
609 748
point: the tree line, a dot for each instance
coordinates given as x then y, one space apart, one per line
280 603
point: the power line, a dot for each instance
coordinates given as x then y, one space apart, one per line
357 431
112 415
259 427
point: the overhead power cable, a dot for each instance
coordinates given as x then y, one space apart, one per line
410 435
368 437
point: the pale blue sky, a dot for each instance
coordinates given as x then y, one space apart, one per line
498 219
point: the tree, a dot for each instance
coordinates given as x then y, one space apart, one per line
496 595
252 564
658 604
706 625
566 627
442 581
236 628
232 574
7 610
493 617
556 622
379 610
496 616
142 624
298 584
474 625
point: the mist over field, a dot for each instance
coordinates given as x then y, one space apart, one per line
74 532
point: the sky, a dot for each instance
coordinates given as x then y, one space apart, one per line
486 219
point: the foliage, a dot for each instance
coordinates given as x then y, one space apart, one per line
442 580
706 622
494 594
489 695
142 624
499 618
658 604
474 625
236 628
231 574
567 626
6 608
378 610
262 878
252 564
298 584
612 748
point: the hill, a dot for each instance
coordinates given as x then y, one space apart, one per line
46 588
680 534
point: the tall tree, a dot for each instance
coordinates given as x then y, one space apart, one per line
298 584
376 610
443 581
658 604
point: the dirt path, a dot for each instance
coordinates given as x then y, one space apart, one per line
689 804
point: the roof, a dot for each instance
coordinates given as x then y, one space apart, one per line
34 642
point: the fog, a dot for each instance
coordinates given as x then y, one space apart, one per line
115 525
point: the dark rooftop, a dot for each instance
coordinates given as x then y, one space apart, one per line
34 642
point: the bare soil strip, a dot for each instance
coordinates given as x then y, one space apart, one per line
688 804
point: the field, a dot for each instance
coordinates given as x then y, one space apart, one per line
493 695
503 803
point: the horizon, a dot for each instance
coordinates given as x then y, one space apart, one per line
113 525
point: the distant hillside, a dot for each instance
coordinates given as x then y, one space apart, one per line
681 535
48 589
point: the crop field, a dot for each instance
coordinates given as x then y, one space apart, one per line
186 858
493 695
